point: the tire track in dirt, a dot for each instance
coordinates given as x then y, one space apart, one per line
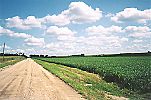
2 92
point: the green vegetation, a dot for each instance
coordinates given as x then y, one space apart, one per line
9 60
133 73
90 85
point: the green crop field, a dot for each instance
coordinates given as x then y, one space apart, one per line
9 60
133 73
89 85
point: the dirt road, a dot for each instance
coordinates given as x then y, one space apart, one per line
27 80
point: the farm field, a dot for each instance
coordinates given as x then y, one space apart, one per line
90 85
132 73
9 60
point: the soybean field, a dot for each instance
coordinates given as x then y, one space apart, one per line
133 73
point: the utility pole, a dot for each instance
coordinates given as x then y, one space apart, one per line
3 51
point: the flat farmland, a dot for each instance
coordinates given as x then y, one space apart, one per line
9 60
133 73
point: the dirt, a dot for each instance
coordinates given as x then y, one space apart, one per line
27 80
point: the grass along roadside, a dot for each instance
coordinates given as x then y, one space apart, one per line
10 60
91 86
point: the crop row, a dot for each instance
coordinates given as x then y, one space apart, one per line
133 73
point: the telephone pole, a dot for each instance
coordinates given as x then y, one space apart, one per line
3 51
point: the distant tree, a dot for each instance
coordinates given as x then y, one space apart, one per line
42 56
46 56
82 54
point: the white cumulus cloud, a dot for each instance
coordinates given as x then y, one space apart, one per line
59 30
100 30
62 33
10 33
79 12
29 39
59 20
132 15
24 24
105 37
33 41
138 31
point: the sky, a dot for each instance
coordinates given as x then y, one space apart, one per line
67 27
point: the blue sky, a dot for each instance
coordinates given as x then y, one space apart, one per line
65 27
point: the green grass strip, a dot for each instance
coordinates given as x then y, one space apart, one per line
11 61
91 86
